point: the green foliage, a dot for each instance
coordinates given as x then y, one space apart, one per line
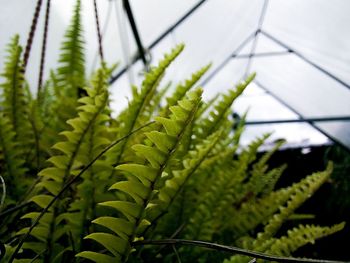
182 174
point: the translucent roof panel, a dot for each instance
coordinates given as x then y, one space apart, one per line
206 30
262 108
317 28
267 45
297 134
153 17
226 78
338 130
302 86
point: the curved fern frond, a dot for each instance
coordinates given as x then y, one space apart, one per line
221 110
141 183
174 185
300 236
224 189
256 211
309 186
182 88
131 118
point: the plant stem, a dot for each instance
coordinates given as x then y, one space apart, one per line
235 250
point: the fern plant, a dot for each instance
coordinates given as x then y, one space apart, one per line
170 165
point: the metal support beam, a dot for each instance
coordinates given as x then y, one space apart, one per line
262 122
263 54
135 32
233 55
335 140
160 38
256 37
300 55
177 23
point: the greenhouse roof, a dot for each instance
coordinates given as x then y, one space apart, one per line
299 49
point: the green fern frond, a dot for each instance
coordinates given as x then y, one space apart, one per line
256 211
14 100
156 101
300 236
95 180
132 117
307 187
12 88
224 189
260 168
67 163
221 109
183 88
174 185
71 70
270 179
68 81
141 183
12 163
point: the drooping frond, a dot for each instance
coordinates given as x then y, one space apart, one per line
257 211
309 186
300 236
224 188
141 183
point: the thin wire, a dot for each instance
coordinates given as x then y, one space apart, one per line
124 39
3 192
43 49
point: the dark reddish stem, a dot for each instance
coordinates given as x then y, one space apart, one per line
31 35
99 36
43 48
